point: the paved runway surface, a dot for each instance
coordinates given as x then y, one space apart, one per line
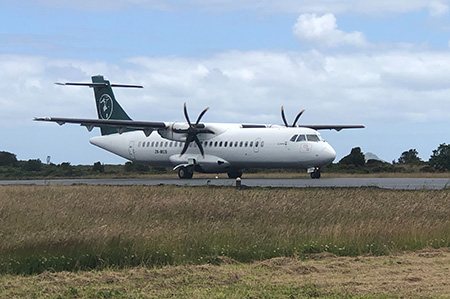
387 183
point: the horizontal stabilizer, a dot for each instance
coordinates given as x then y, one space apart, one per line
99 85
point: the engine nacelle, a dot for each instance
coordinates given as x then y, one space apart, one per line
169 133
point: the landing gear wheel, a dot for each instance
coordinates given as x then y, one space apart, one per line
315 174
235 174
185 172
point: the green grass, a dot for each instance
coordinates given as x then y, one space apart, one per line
71 228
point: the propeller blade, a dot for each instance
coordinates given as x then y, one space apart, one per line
298 116
186 114
193 130
201 115
200 147
284 117
186 144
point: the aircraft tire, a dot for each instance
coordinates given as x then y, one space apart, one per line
315 174
235 174
185 172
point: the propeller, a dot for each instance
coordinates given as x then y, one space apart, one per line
296 118
193 130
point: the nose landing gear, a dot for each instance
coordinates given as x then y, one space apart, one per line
314 172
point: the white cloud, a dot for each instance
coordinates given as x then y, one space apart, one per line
323 31
438 8
239 86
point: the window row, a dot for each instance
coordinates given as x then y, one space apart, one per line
204 143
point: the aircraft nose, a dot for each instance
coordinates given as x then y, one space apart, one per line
329 154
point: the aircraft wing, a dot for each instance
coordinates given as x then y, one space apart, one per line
333 127
121 125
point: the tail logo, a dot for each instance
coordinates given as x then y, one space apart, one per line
105 106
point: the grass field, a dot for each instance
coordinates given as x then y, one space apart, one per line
68 228
418 274
206 242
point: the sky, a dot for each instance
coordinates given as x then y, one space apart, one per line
384 64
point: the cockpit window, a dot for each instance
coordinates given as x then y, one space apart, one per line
294 137
314 138
301 138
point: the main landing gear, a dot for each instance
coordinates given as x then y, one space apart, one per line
186 172
315 174
234 174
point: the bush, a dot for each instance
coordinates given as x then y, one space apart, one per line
7 159
440 159
410 157
135 167
32 165
355 158
98 167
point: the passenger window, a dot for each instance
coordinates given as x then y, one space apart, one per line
225 144
153 143
246 144
262 143
301 138
241 143
220 144
170 144
235 144
215 144
251 143
256 143
314 138
156 144
293 138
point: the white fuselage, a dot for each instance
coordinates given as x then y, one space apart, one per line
233 147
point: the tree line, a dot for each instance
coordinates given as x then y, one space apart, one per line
409 160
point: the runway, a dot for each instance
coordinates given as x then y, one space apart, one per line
385 183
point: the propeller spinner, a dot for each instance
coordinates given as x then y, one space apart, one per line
294 124
193 130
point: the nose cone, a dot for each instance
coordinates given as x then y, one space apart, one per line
328 154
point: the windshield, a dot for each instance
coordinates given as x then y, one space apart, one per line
314 138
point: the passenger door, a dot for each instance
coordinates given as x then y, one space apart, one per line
256 145
131 150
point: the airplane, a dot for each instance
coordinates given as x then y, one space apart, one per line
203 147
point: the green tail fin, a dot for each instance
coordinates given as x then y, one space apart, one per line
107 106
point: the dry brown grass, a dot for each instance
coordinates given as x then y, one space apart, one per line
175 217
160 225
420 274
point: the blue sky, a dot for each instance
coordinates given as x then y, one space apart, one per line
380 63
